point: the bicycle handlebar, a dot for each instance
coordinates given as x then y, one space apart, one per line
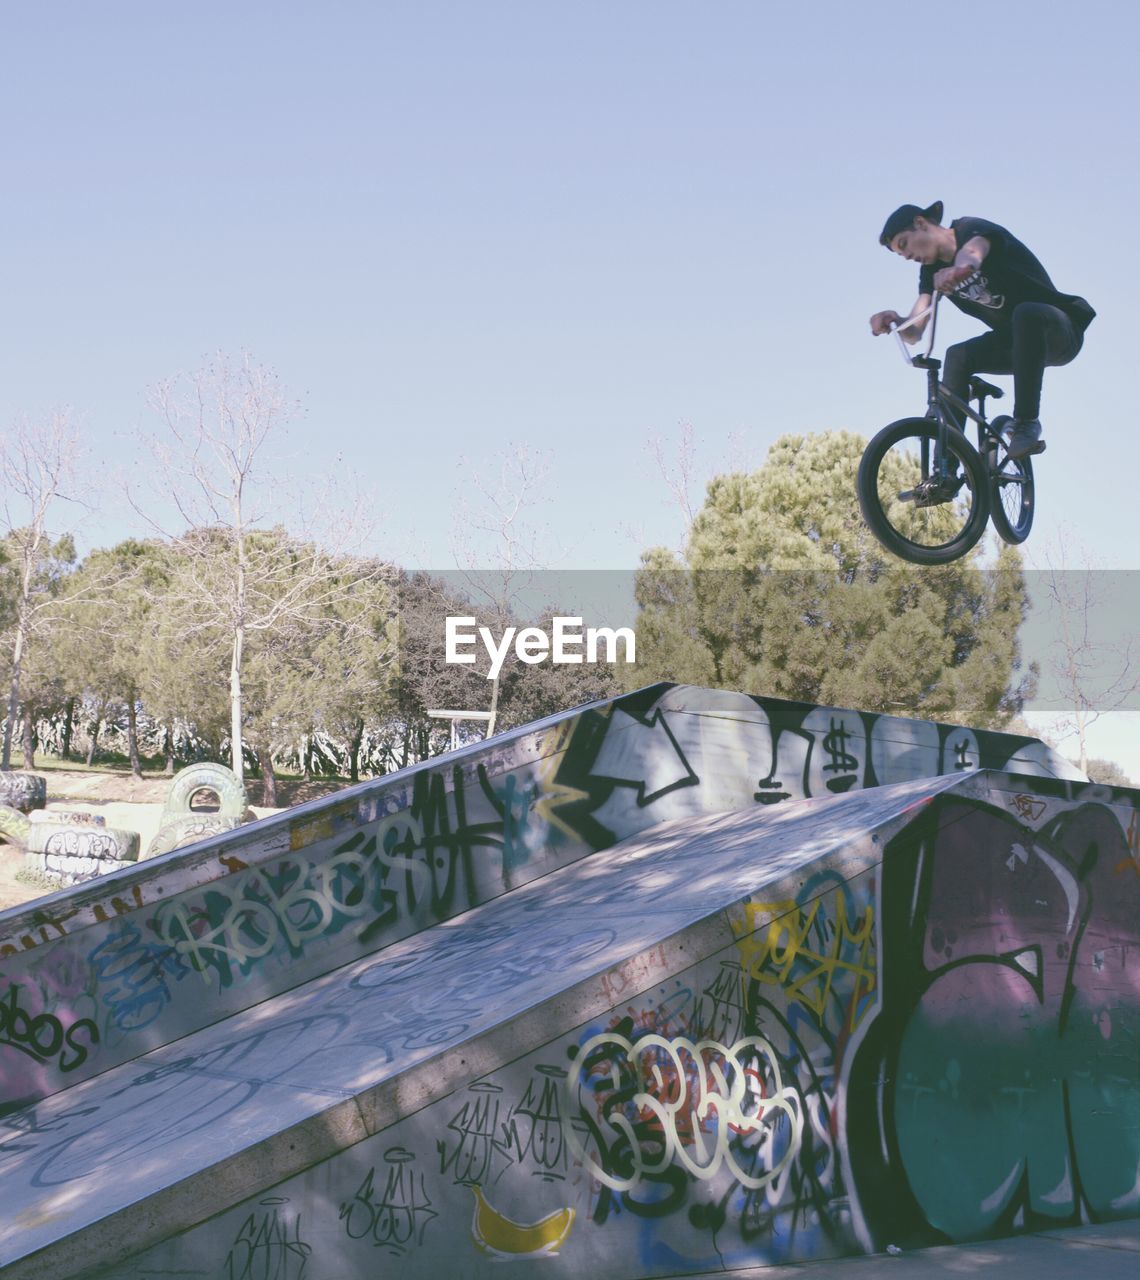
896 329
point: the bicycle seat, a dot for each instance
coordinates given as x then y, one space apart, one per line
979 387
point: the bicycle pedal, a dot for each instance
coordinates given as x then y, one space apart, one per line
934 493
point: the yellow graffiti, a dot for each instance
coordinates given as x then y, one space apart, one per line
554 796
783 954
495 1233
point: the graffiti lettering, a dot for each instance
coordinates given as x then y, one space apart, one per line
708 1105
535 1126
269 1246
235 925
398 1219
43 1036
475 1125
135 975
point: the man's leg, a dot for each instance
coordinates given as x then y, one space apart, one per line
1042 335
990 352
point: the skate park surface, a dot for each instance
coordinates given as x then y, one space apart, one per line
684 983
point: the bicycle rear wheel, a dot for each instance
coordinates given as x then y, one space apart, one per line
902 504
1011 486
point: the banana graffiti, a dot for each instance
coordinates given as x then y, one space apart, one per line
495 1233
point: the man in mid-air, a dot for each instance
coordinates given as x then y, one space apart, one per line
991 275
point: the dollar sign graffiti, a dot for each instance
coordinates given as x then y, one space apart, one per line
835 744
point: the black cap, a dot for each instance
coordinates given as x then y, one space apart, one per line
904 216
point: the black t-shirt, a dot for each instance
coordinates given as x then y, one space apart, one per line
1009 274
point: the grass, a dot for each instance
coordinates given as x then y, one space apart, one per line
37 879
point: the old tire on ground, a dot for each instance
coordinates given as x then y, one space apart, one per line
68 817
111 843
232 802
23 791
74 854
13 826
188 828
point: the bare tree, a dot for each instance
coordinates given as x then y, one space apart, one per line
679 474
495 546
677 465
221 425
1092 660
38 470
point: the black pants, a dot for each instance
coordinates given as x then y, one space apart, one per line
1038 335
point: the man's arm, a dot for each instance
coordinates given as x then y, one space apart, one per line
966 261
881 321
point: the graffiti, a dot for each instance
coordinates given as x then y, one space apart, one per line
720 1013
803 951
238 923
839 759
436 841
44 922
269 1245
704 1104
535 1126
497 1234
42 1036
488 1138
643 755
79 851
58 920
631 975
93 844
411 867
397 1220
479 1137
714 1111
135 976
1028 808
999 1049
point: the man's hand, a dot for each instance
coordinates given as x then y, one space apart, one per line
881 322
949 278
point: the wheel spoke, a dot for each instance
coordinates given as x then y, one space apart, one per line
924 506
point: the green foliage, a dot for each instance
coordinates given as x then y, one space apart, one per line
783 591
1109 773
425 680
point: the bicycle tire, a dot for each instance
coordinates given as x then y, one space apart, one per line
1011 488
889 461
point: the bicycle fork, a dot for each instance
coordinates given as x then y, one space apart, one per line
938 478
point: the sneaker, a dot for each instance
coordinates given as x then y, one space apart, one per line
1025 439
937 490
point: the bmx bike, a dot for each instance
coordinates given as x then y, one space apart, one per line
926 493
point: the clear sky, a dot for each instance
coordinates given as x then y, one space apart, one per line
459 226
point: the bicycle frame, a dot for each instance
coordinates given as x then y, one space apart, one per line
996 486
938 397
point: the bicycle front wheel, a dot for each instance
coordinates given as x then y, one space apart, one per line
918 510
1011 487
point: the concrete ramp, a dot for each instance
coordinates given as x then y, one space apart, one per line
104 972
468 1018
603 997
906 1015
